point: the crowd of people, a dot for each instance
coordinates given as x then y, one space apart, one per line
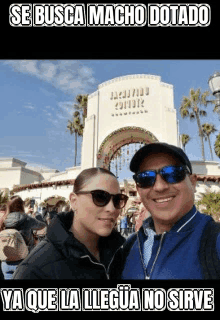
16 214
92 240
32 225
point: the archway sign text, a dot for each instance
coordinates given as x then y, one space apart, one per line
109 15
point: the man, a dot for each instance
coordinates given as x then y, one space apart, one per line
167 246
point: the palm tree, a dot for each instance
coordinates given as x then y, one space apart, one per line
185 138
217 145
76 127
208 129
190 107
82 102
209 203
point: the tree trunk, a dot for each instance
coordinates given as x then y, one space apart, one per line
201 136
210 147
75 147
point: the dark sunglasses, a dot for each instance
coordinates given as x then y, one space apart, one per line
171 174
101 198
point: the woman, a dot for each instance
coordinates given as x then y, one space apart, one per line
80 245
15 218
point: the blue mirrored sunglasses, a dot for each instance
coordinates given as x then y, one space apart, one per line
171 174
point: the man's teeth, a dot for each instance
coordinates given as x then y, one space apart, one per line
163 200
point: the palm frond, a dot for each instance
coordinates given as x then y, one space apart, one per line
202 113
192 116
186 103
184 112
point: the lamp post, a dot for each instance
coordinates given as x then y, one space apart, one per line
214 84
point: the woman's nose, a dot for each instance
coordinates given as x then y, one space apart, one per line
110 206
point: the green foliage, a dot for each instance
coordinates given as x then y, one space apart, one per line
191 107
3 199
210 204
185 138
217 146
208 129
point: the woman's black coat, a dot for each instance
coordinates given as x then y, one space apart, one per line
61 256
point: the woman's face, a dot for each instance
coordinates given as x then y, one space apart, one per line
88 217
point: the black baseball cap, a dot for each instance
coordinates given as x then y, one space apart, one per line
158 147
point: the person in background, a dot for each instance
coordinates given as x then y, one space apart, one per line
51 214
2 213
28 209
142 215
132 222
15 218
124 225
80 244
44 213
39 235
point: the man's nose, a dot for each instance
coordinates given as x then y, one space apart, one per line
160 184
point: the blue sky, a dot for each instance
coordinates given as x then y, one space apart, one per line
37 98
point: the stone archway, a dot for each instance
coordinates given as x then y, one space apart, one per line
119 138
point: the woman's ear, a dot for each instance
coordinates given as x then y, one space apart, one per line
73 200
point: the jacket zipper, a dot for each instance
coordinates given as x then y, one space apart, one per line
100 264
112 260
158 251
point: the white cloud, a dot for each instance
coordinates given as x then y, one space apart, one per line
23 66
47 113
85 71
66 108
48 70
61 117
29 106
70 76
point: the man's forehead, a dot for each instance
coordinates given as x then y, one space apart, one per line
153 159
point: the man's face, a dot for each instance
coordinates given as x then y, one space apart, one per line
166 202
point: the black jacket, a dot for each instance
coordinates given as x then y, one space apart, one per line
61 256
25 224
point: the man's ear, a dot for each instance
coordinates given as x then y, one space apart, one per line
193 179
73 200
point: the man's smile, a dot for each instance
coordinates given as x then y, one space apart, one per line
162 200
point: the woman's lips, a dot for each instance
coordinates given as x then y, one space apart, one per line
107 219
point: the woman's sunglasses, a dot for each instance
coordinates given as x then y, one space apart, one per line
171 174
101 198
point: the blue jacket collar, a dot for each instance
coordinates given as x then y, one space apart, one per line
181 224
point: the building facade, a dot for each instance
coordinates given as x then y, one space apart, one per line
128 109
124 110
